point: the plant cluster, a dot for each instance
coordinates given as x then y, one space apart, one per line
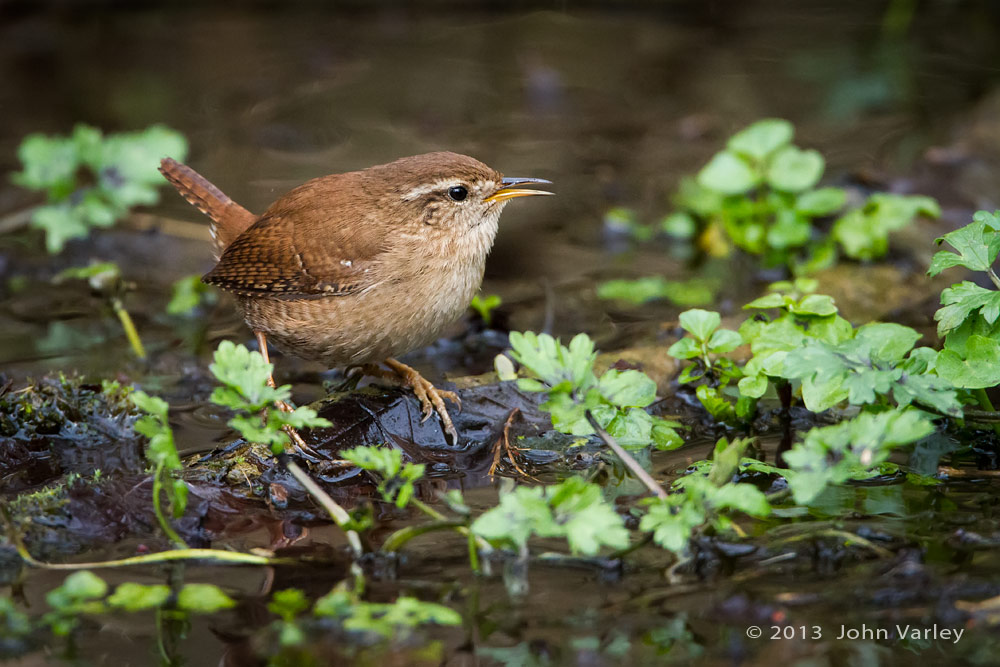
84 595
760 194
91 180
245 390
617 399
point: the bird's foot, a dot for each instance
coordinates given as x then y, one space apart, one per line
431 398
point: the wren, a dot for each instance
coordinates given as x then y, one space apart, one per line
354 269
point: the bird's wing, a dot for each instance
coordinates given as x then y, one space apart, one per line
305 245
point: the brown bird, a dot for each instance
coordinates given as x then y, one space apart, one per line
355 269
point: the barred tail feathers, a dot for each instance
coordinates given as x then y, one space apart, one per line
229 219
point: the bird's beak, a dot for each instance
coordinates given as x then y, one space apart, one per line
509 189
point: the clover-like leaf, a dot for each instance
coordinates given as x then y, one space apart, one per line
795 170
729 174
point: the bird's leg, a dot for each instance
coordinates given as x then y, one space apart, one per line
262 345
298 443
431 398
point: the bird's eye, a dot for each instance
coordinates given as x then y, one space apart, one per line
458 192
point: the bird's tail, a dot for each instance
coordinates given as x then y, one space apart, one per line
229 219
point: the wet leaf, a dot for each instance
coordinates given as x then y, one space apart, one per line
821 202
729 174
132 597
795 170
761 139
203 599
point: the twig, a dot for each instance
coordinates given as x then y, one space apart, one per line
503 443
336 512
627 459
217 555
404 535
129 326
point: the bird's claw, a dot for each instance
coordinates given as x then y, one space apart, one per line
431 398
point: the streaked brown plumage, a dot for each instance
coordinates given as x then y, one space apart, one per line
353 269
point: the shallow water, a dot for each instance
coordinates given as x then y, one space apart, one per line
613 106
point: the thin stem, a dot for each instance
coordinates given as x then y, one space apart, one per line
627 458
129 326
473 553
437 516
993 276
984 401
174 555
158 509
404 535
336 512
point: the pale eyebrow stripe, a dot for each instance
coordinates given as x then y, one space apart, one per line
427 189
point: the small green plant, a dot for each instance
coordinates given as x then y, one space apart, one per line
701 498
705 345
877 362
574 509
287 605
760 194
396 479
81 593
968 319
694 292
162 453
188 294
380 619
244 390
617 399
851 450
485 305
84 593
801 317
91 180
106 279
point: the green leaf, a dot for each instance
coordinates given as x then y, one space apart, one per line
203 599
729 174
887 342
761 139
769 301
245 374
979 369
724 340
629 388
61 223
790 230
820 305
795 170
685 348
664 434
484 306
821 202
700 323
587 519
133 597
77 588
679 225
672 521
573 509
848 450
694 292
188 293
753 386
963 300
